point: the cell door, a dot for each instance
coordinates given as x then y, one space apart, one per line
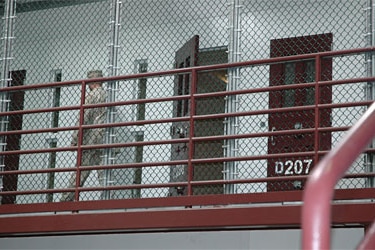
209 82
186 56
11 162
297 72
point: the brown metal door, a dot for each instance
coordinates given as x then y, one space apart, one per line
11 162
294 73
186 56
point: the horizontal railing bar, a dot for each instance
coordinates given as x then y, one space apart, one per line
198 68
172 141
184 97
195 117
178 184
172 163
270 197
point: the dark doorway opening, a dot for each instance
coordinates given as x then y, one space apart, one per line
13 142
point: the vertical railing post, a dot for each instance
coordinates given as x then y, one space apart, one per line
7 39
318 72
191 145
79 140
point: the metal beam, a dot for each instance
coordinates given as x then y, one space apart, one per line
189 219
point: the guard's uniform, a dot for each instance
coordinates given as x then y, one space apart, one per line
94 136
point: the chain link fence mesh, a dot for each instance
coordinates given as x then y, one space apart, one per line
63 40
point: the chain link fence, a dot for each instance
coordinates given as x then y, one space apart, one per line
60 41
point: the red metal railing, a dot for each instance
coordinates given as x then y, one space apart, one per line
290 218
316 214
192 118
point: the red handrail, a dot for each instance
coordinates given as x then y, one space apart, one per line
318 194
